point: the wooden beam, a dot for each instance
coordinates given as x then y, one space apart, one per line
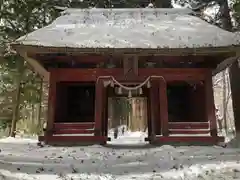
210 107
37 67
148 51
51 105
154 108
175 74
163 107
99 107
135 64
149 109
105 96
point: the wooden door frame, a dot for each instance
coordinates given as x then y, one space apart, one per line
108 93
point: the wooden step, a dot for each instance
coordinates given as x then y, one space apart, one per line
74 125
188 139
73 131
188 131
188 125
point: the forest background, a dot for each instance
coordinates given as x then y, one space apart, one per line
23 94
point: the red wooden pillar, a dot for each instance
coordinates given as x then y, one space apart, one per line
105 108
210 108
163 107
51 106
99 108
154 108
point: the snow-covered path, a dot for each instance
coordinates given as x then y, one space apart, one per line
21 159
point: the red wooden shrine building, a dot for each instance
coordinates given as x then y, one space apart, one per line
165 55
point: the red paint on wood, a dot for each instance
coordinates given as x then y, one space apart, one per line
99 107
163 107
74 125
154 107
175 74
149 118
73 131
187 131
85 75
82 59
105 112
51 104
188 125
210 107
200 139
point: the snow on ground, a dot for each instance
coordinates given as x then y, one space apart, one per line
22 159
127 137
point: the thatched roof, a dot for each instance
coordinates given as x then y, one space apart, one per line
129 28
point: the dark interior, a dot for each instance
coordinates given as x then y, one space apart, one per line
186 103
75 102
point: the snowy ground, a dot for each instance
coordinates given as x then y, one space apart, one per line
22 159
127 137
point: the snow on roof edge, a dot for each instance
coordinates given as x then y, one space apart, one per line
179 11
163 51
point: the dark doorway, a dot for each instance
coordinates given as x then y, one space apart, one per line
186 102
75 102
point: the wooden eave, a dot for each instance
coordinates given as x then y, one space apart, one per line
161 51
230 50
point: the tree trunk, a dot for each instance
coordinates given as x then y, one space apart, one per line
225 16
163 4
15 110
39 112
20 68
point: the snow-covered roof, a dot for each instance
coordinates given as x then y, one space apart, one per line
145 28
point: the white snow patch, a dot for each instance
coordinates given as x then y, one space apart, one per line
18 140
131 138
21 160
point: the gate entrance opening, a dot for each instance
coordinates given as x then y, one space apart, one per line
127 117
